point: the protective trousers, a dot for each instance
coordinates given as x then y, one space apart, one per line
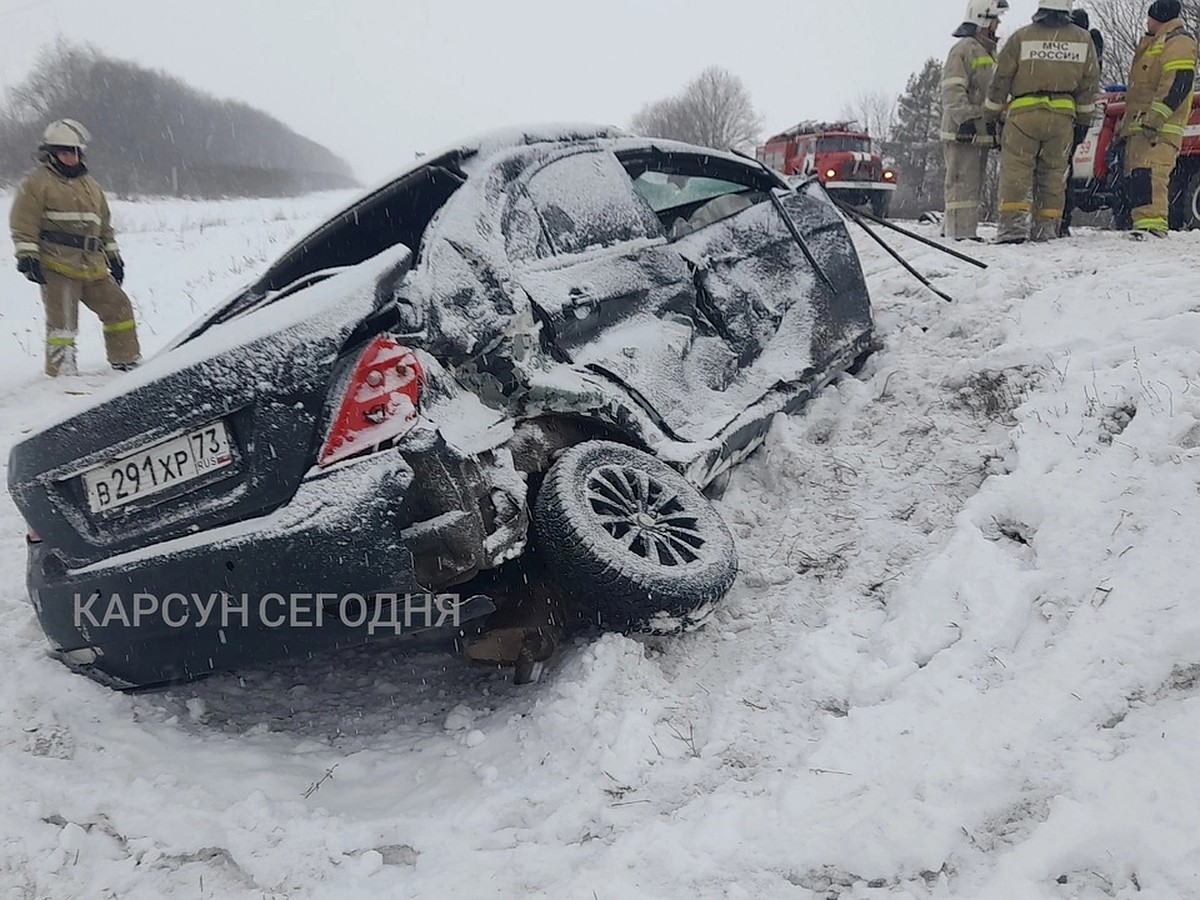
1033 164
61 296
966 169
1149 169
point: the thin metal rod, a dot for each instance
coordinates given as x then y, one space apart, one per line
799 239
787 219
904 231
853 214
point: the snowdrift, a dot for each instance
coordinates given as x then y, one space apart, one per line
962 659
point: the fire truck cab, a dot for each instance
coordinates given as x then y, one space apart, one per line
840 156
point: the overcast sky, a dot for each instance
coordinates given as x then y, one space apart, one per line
377 80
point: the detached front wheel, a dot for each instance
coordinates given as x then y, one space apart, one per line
635 546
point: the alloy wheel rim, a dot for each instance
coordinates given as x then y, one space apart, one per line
645 516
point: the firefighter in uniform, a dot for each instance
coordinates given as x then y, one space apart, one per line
1158 103
1049 70
63 236
966 137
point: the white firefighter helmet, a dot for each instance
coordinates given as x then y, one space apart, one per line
66 133
984 12
1059 5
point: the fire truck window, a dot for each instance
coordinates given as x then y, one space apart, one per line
843 145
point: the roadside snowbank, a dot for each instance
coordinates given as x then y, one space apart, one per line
962 659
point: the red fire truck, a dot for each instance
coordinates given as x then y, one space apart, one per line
840 155
1096 181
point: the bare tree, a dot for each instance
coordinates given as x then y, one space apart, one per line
666 118
50 86
713 109
875 111
1123 23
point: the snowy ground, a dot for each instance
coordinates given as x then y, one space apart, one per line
960 661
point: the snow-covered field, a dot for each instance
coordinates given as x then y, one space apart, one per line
962 659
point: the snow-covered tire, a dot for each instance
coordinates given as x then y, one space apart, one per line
635 546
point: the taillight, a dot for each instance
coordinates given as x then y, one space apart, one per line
889 175
380 403
831 173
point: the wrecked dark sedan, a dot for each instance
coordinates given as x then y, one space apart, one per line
492 390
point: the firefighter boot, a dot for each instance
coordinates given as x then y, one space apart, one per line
60 353
1017 156
966 166
1150 167
60 298
1046 226
111 304
1050 178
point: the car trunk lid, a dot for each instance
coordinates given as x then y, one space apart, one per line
221 428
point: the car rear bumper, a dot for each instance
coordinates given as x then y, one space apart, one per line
331 568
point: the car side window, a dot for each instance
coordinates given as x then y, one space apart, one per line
665 191
586 200
684 202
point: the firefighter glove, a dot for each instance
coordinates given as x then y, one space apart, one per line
1080 134
1150 133
993 133
31 268
117 267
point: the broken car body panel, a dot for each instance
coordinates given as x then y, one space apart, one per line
555 286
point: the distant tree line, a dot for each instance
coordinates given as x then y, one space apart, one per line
153 134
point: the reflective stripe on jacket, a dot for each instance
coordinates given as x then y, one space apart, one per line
1156 64
47 203
965 80
1044 66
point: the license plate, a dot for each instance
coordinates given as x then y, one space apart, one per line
158 467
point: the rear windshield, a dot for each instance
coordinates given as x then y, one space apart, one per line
398 213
